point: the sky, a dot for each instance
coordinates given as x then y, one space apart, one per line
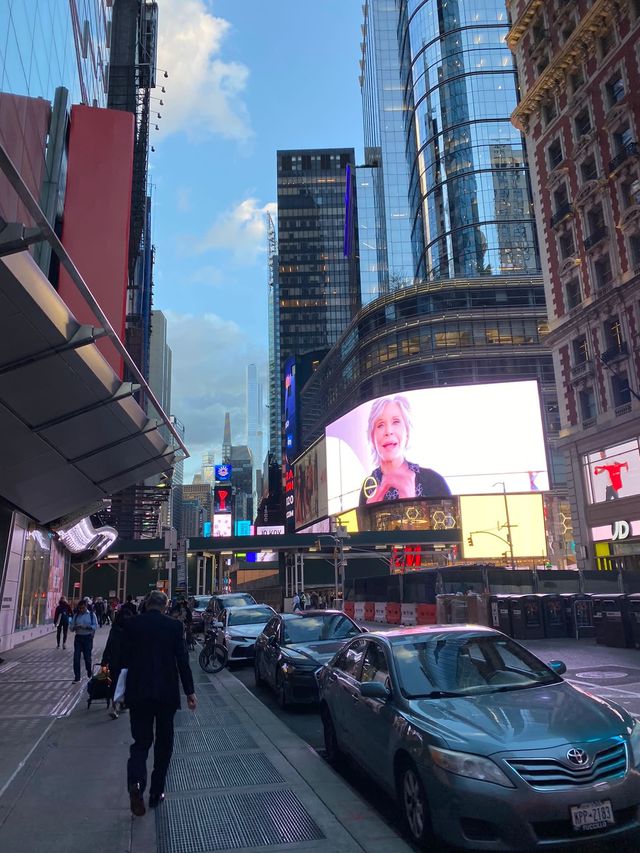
245 78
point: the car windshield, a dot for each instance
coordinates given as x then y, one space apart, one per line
237 600
250 616
201 602
463 664
309 629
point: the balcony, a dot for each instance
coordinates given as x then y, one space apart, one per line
615 353
563 212
623 409
587 423
582 370
629 150
595 237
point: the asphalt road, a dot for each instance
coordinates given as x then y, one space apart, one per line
611 673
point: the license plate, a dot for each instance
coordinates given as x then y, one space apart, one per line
596 815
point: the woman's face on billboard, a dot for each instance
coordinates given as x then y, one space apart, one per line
390 434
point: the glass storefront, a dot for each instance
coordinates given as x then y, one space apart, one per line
42 581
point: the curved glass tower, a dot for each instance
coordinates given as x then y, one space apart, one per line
469 184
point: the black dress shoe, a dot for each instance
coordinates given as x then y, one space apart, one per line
155 800
136 800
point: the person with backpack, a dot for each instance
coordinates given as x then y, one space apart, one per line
61 619
84 625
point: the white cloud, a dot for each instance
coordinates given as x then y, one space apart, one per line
183 199
241 230
204 93
210 356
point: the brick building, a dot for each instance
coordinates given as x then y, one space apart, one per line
579 68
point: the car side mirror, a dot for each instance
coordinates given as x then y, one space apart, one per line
272 640
558 666
374 690
364 629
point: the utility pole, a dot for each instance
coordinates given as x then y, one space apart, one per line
506 509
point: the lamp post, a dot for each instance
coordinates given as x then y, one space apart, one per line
506 509
338 555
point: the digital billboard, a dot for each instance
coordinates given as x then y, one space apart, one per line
222 499
222 524
485 531
613 472
223 473
436 442
310 476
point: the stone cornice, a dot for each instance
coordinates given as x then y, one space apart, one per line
521 25
578 47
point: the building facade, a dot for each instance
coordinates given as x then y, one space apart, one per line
579 108
160 357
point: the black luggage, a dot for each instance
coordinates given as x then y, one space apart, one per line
99 686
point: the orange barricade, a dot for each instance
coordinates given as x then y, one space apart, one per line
426 614
349 608
392 613
369 611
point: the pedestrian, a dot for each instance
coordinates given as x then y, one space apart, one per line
304 600
108 613
61 619
112 655
296 604
130 605
99 610
321 602
84 626
155 656
314 600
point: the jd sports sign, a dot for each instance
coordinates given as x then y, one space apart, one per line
620 530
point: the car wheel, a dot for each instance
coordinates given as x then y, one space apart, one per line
414 803
258 679
334 753
281 691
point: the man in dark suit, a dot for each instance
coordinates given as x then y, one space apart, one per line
155 655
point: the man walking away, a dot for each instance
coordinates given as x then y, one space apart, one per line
84 626
130 605
61 620
155 655
99 611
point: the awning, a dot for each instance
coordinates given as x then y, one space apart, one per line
72 432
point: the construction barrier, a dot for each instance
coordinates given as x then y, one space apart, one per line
425 614
408 614
369 611
380 611
358 611
349 608
393 612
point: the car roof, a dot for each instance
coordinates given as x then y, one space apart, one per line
249 607
305 614
222 595
394 635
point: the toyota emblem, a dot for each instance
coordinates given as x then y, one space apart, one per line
578 756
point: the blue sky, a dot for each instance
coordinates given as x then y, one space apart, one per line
246 77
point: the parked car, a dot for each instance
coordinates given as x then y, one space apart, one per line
217 603
241 627
482 744
293 647
200 603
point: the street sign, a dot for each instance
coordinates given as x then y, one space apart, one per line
76 585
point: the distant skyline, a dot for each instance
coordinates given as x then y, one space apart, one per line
245 79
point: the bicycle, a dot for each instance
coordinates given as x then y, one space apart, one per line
214 655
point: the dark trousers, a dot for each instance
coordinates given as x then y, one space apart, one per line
82 647
143 717
63 627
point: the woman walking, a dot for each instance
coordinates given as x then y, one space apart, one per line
84 626
61 620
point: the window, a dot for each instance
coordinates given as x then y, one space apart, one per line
607 41
620 391
615 89
603 272
595 220
587 404
544 61
623 140
634 250
613 334
580 350
561 196
576 80
375 666
589 169
567 244
630 192
555 154
351 658
582 123
573 293
549 111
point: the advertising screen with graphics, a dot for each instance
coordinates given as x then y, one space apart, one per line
222 525
613 472
436 442
222 499
223 473
310 477
484 526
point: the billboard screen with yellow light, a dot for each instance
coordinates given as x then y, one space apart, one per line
485 530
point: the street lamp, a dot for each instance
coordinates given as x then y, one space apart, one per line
338 555
508 525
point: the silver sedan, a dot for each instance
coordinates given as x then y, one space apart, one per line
483 745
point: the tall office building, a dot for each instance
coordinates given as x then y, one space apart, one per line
255 417
160 360
579 108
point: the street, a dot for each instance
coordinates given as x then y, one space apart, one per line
613 674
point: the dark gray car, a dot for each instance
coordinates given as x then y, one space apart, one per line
483 745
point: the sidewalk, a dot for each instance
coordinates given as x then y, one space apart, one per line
239 778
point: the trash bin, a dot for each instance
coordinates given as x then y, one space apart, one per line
554 616
633 604
579 614
526 617
611 620
500 614
459 609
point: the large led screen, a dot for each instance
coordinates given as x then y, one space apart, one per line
310 474
485 531
435 442
613 472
